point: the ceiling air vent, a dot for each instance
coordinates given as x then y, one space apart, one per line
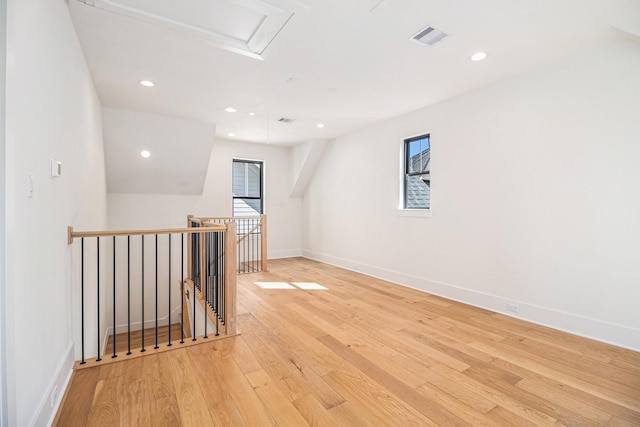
285 120
429 36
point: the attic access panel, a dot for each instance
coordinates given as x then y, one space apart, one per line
246 27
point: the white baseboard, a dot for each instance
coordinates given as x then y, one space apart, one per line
611 333
150 323
48 406
288 253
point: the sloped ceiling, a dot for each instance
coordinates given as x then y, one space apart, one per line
180 151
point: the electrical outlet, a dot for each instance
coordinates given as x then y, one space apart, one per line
514 308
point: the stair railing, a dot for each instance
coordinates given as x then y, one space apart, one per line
251 233
126 282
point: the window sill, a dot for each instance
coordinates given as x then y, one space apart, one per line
419 213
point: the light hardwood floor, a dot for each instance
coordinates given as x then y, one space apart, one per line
363 353
123 341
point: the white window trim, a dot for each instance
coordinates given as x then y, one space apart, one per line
417 213
402 211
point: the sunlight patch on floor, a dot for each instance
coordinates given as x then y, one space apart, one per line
305 286
274 285
309 286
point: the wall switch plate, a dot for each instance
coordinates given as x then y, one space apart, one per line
55 168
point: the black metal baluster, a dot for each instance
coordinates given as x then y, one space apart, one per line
247 247
156 296
207 275
143 350
82 297
128 295
252 256
223 278
217 282
221 272
182 288
195 254
114 297
98 293
169 287
215 273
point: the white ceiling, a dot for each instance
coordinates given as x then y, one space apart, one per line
344 63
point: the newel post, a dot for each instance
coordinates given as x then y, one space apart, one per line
189 250
230 279
263 242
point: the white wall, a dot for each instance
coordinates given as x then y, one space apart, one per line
52 112
534 197
128 211
3 366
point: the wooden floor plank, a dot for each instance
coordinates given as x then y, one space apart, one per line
217 395
371 401
105 408
281 409
404 392
191 402
364 352
316 415
76 404
596 385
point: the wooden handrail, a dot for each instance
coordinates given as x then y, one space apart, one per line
217 221
71 235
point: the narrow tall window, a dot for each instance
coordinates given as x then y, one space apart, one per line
417 173
247 188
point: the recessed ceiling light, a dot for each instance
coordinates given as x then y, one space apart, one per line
145 154
320 125
478 56
232 134
230 110
147 83
252 113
